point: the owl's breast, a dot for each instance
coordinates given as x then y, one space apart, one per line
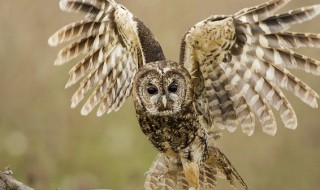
172 133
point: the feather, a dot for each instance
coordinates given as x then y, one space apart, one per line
207 177
107 64
272 94
166 172
212 103
260 12
288 59
100 4
256 103
288 40
245 117
284 21
83 46
220 160
93 62
218 80
281 77
78 6
243 113
120 85
78 29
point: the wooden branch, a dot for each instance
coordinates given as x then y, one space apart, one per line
7 182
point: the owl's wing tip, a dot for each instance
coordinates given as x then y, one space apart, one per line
63 4
317 7
52 41
73 103
315 102
84 111
232 129
58 62
100 113
249 133
270 130
68 85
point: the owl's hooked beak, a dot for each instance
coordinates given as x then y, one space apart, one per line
164 101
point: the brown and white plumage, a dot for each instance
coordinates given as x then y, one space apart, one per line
113 42
189 158
239 65
168 174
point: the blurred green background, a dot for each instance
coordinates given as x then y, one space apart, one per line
49 145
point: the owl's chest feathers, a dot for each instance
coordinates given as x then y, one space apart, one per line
173 133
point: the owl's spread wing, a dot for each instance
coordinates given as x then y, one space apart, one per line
239 64
114 43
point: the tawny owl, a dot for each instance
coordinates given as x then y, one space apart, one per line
164 100
237 66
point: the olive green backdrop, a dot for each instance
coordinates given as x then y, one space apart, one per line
49 145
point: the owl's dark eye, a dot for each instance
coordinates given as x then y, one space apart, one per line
173 88
152 90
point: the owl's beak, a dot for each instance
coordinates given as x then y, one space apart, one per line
164 101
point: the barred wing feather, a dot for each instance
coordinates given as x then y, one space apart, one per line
109 39
239 64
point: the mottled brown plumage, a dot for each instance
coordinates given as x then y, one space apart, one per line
232 68
163 97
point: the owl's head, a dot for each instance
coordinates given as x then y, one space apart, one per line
162 88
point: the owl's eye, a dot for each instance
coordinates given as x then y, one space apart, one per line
173 88
152 90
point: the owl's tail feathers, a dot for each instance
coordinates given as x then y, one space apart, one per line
167 173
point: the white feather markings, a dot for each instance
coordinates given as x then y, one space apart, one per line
63 4
259 53
254 100
270 73
247 75
259 85
277 57
235 80
265 28
263 41
53 41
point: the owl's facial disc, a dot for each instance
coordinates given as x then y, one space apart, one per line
166 94
163 88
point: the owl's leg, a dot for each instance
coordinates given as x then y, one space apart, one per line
191 172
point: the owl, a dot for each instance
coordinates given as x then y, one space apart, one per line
164 100
232 69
